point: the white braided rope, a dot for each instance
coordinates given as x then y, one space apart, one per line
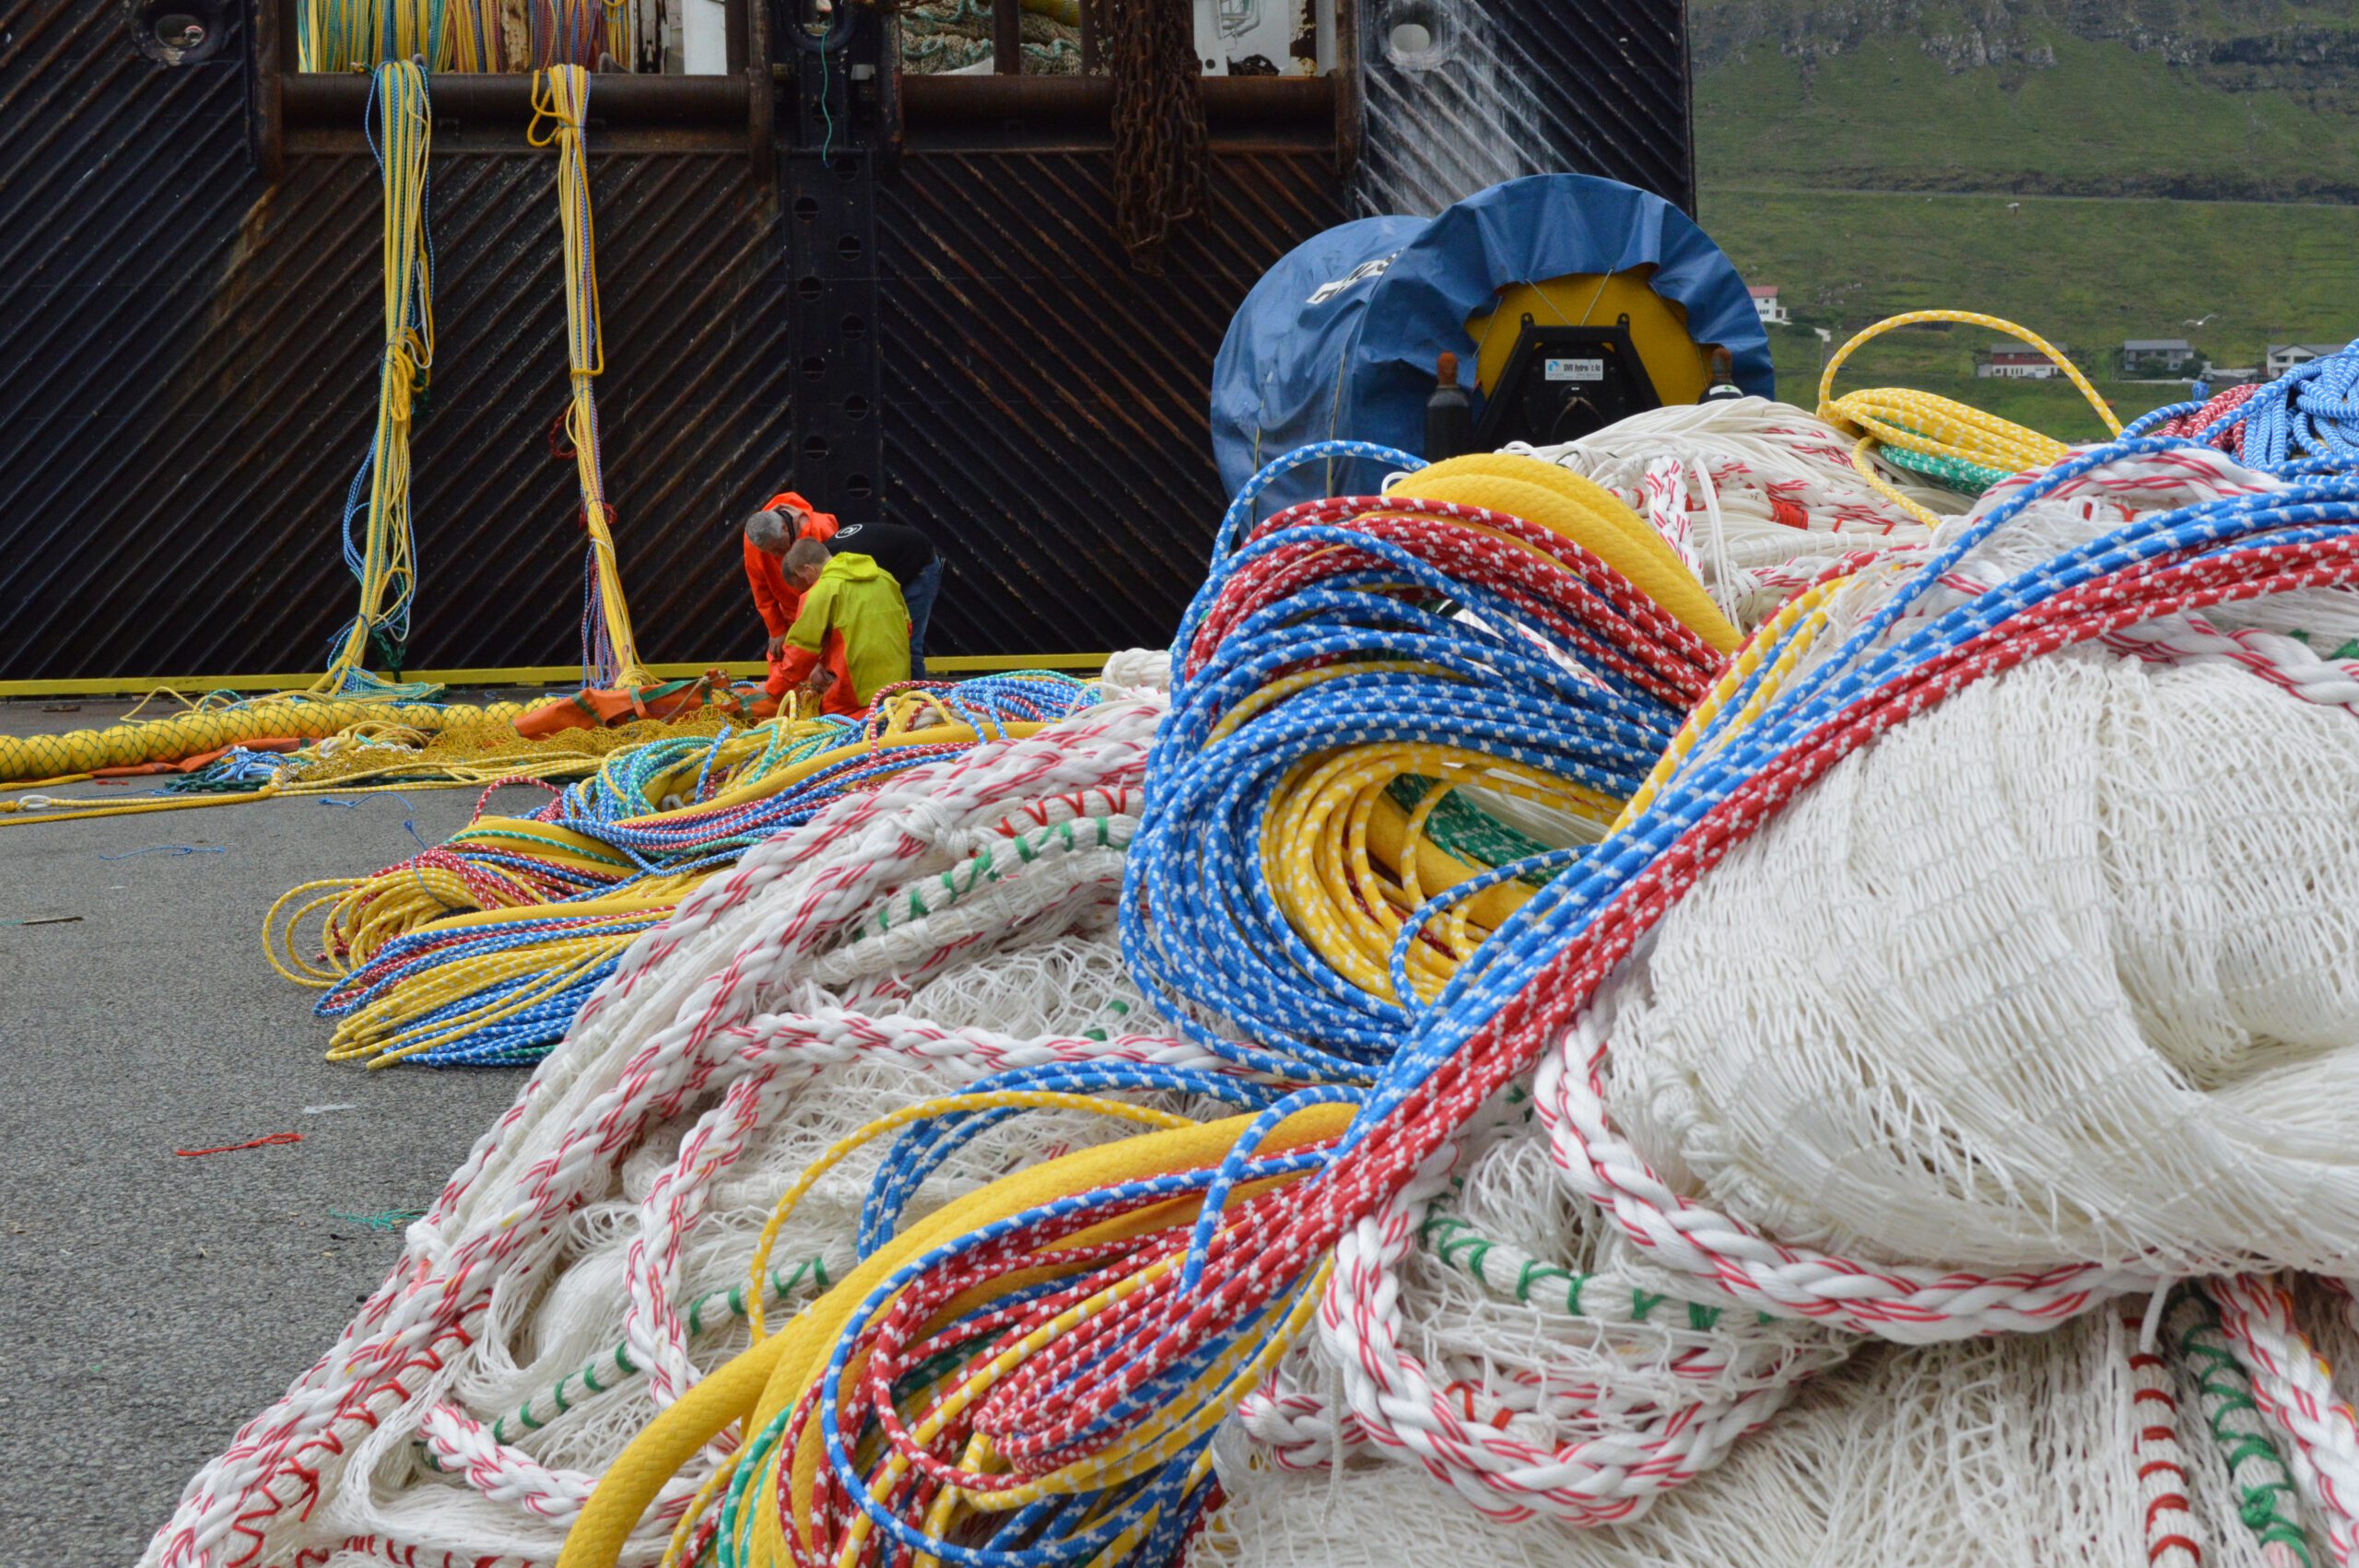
2175 1535
2295 1390
1758 496
1912 1304
1580 1440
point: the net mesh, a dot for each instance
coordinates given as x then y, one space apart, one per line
1999 1452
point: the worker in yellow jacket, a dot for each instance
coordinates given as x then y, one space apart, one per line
849 604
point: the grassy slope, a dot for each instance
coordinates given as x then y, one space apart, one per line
1775 152
2084 273
2103 120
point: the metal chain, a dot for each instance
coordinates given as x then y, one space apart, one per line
1161 140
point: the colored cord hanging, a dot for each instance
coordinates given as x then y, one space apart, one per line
609 652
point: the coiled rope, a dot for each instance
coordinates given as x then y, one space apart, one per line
1097 1396
1338 594
1949 442
2307 416
481 950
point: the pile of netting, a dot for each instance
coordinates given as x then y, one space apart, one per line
480 950
1568 1033
953 37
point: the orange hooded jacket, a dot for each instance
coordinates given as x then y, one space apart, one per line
775 597
779 602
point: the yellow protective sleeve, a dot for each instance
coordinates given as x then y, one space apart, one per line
1563 502
170 740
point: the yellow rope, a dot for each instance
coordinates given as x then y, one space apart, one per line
1938 427
560 97
388 573
772 1374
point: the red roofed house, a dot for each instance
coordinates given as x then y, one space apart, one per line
1764 304
2016 364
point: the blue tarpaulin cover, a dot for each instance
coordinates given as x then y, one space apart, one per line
1339 339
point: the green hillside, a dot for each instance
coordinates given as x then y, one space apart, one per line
2083 273
2067 165
2250 101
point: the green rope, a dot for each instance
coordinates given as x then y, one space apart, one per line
1950 473
2228 1389
615 1366
1462 829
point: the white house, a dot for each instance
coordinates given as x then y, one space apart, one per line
2143 356
1766 306
2284 356
2015 365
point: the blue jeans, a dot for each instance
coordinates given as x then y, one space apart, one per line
918 597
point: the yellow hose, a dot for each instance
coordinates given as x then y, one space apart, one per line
205 730
1589 516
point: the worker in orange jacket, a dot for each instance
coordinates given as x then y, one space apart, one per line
769 534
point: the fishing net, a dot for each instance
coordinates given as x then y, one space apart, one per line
1760 496
591 1256
956 35
1999 1452
2045 979
2054 973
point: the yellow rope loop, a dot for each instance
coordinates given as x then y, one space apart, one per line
1939 427
924 1110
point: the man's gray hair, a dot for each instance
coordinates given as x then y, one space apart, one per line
768 531
805 555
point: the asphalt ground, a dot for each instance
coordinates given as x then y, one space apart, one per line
151 1303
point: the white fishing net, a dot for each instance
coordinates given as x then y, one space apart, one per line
2001 1452
1759 497
2056 972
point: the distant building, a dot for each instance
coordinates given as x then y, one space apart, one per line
2015 365
2156 356
2220 377
2284 356
1766 306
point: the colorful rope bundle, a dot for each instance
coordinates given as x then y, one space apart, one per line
898 1436
1289 891
469 35
480 951
1065 1435
2309 416
609 652
383 559
545 1190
